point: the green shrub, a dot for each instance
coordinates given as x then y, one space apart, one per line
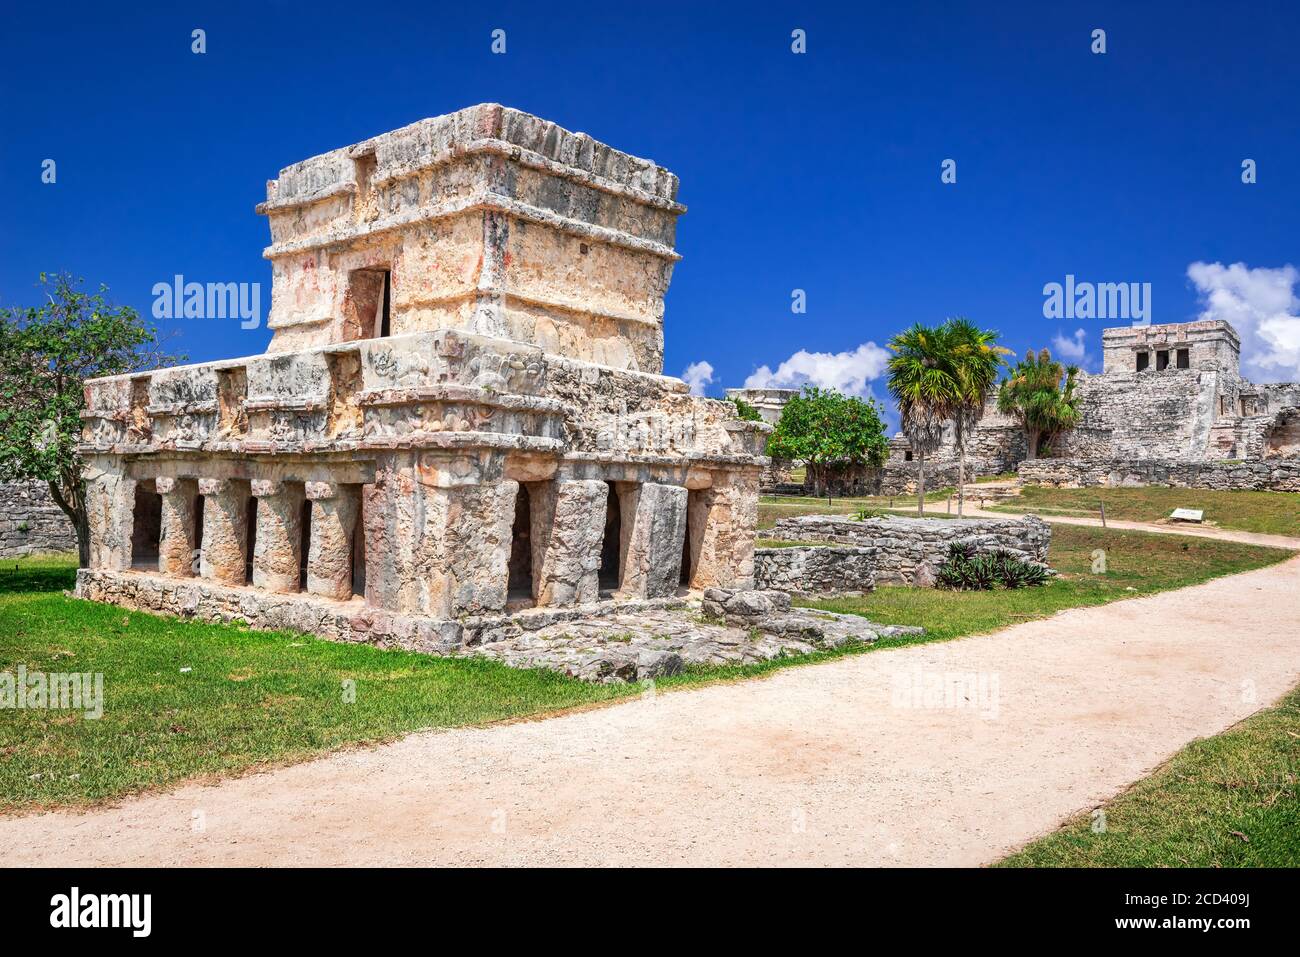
965 569
744 411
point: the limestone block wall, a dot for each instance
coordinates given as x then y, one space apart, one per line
487 220
905 547
30 522
816 569
1274 475
1145 414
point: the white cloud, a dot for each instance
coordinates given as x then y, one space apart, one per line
1261 304
698 375
848 372
1072 349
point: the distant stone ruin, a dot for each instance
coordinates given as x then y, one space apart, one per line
1169 397
461 413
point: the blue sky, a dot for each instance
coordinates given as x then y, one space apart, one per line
818 171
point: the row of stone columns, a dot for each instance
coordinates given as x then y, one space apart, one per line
443 550
568 535
277 550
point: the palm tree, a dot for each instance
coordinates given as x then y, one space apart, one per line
922 383
974 360
1039 392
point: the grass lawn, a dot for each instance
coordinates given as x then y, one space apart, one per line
185 699
1232 800
773 507
1275 513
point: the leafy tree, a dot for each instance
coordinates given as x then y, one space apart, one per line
744 411
923 383
974 359
824 429
1039 393
46 352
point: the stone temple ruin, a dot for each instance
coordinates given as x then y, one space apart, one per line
461 411
460 433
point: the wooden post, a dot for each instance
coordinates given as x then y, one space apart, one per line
1103 514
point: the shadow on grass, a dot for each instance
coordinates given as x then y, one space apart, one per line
17 575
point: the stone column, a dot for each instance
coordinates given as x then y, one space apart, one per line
277 554
334 511
727 516
177 542
225 530
652 555
110 501
567 533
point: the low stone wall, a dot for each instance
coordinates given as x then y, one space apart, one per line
816 569
907 551
1273 475
30 522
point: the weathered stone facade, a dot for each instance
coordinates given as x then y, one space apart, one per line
907 551
816 569
30 522
1268 475
461 413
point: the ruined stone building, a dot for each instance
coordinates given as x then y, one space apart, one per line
461 411
1166 393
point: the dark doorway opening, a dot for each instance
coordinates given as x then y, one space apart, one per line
1162 360
359 547
519 590
304 542
1184 359
250 538
198 534
146 528
611 547
696 512
1143 360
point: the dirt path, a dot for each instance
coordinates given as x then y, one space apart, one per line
1196 531
818 765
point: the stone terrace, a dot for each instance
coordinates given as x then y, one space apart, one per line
908 550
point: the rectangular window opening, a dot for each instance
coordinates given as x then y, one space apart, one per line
367 306
1184 359
1162 359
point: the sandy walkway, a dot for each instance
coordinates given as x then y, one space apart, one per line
816 765
1196 531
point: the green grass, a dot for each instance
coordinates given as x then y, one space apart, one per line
249 698
1275 513
1232 800
254 699
774 507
